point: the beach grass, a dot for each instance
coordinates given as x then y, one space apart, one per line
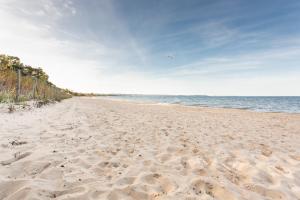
34 84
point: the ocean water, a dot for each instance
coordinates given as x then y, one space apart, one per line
289 104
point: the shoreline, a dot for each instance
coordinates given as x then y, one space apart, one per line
192 106
31 106
146 102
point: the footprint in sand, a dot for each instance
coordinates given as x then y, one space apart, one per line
204 188
17 156
272 194
265 150
295 157
129 192
157 180
77 191
164 157
35 168
197 163
125 181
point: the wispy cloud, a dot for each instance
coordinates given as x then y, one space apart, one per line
118 46
273 60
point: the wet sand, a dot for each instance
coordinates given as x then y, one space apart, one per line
88 148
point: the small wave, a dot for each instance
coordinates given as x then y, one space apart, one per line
177 102
259 104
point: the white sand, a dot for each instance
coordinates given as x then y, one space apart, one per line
86 148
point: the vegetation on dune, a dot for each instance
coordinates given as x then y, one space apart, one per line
34 82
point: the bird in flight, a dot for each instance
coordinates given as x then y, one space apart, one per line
171 56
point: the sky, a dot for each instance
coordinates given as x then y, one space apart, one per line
205 47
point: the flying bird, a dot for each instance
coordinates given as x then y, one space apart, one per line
170 56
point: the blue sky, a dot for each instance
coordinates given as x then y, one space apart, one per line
224 47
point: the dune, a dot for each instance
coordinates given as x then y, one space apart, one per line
97 148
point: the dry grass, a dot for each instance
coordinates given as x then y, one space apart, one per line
43 90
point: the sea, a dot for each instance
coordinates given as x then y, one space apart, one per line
286 104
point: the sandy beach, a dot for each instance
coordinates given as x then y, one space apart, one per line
89 148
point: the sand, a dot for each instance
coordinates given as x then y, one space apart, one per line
89 148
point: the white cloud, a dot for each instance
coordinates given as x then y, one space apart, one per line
30 31
215 34
35 44
259 60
